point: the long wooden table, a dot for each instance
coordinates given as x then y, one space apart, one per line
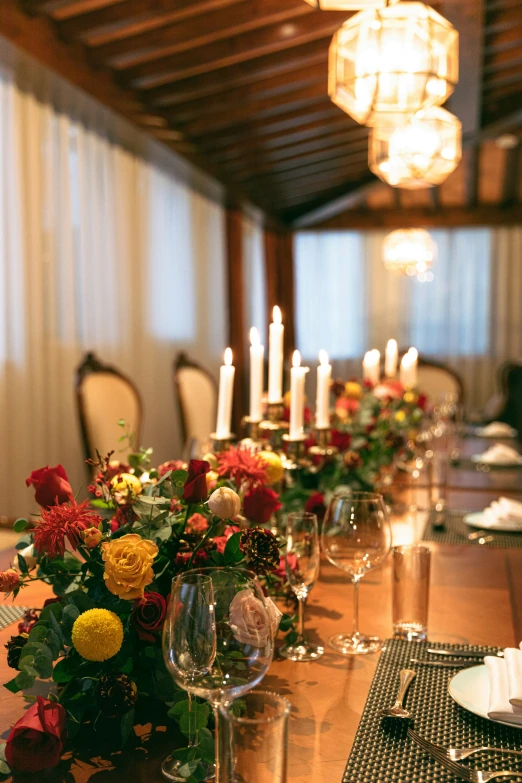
476 597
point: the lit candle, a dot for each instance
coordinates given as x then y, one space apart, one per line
322 401
275 358
226 388
405 371
257 352
391 358
414 358
371 366
297 397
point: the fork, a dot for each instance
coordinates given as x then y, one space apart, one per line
465 773
482 536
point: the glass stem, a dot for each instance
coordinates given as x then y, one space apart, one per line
300 618
356 608
217 765
193 737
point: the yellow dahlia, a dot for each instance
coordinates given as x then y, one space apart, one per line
274 466
97 634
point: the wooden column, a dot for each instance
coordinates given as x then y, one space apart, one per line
279 264
234 237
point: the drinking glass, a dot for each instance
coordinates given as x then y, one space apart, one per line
218 643
302 558
254 738
356 538
410 593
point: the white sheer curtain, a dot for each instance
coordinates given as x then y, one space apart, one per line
469 316
254 276
107 243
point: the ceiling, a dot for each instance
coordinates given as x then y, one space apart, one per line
240 88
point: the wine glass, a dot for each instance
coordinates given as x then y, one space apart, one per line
302 571
356 538
219 645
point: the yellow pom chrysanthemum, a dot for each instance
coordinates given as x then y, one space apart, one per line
97 634
274 466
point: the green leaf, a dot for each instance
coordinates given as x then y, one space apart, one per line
22 565
44 666
4 768
24 681
70 614
12 686
53 609
233 553
192 721
126 726
20 525
23 542
61 673
206 746
37 633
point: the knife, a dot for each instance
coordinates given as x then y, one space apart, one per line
466 653
445 664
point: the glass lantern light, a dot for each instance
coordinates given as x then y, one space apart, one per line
349 5
410 252
384 64
420 152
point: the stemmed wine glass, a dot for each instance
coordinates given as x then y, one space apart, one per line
218 635
356 538
302 571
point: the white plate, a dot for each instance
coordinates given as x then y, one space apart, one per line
478 520
470 689
481 433
477 458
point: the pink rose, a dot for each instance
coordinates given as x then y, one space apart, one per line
249 619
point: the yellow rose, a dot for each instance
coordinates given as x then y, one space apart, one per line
400 416
410 396
125 488
128 565
353 390
274 466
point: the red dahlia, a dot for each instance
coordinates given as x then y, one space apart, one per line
242 466
60 522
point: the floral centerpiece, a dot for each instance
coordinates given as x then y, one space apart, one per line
95 648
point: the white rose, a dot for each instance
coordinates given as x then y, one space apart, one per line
224 503
249 620
274 615
29 556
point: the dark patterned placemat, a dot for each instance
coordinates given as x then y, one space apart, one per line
382 751
10 614
456 531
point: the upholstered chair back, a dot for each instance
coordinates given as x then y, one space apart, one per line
196 393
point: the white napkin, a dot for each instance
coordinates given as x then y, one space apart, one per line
499 707
504 513
497 429
500 454
513 659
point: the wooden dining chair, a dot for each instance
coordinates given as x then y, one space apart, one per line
196 396
511 389
104 396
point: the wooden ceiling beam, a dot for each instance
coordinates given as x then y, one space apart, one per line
41 7
322 181
282 64
511 176
247 16
304 202
503 113
221 54
415 217
284 170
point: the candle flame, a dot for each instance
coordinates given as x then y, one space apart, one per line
276 315
323 357
254 336
406 360
391 344
413 354
296 359
228 357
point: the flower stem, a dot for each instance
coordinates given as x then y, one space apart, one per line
203 540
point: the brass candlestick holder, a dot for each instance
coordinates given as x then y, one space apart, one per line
323 448
253 441
273 427
220 444
294 458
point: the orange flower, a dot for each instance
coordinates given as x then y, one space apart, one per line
128 565
9 580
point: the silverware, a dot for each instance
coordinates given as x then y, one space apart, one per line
482 536
456 754
445 664
472 775
465 653
398 711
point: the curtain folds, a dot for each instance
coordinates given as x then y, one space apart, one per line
108 242
469 316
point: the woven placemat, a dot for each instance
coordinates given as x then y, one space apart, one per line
382 751
10 614
455 531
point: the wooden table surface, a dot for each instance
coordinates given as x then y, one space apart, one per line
476 597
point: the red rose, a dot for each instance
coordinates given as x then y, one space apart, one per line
316 505
340 440
183 558
195 487
422 401
260 503
148 615
51 485
36 740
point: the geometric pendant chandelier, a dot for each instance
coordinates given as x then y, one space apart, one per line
410 252
388 63
419 152
348 5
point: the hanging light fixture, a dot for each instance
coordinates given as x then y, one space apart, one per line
410 252
349 5
386 63
420 152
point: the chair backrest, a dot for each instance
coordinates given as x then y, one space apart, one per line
104 396
196 394
511 383
437 380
